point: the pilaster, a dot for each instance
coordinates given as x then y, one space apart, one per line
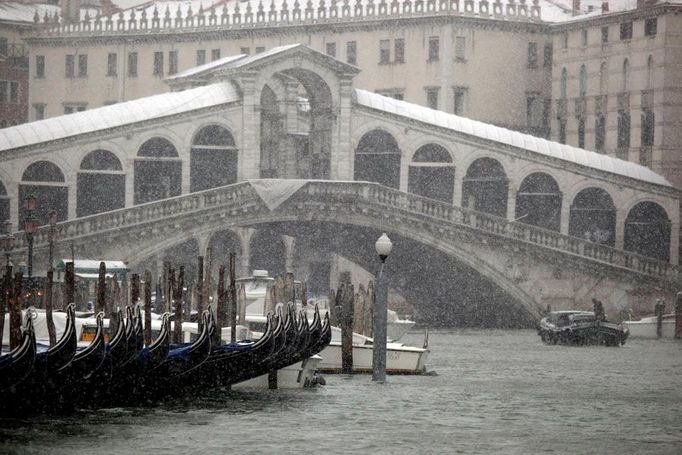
342 151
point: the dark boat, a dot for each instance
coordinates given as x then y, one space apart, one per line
580 328
18 363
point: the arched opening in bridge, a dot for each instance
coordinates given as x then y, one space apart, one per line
268 251
101 184
538 201
432 173
158 170
213 158
296 124
647 231
222 243
593 217
485 187
4 203
377 159
45 181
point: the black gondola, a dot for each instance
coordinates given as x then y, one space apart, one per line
18 363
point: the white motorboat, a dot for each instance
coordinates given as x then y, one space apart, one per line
646 327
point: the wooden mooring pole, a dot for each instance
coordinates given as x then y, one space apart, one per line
15 312
178 297
200 291
345 297
101 289
678 315
69 284
5 299
51 332
221 318
232 310
147 307
659 309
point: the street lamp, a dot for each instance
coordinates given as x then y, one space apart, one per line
51 236
383 247
7 240
30 228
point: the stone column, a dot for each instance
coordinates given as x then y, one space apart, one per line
511 204
620 229
244 265
289 246
130 185
457 190
13 194
674 241
72 195
342 153
565 216
250 162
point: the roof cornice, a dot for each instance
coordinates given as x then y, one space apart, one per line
618 16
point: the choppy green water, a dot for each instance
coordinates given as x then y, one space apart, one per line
496 391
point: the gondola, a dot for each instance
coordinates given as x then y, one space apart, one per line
18 363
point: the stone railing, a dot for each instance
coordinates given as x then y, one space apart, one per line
239 196
245 16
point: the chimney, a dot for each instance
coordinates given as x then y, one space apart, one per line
576 7
604 7
108 7
71 10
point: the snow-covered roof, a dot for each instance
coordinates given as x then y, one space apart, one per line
561 10
20 12
502 135
120 114
205 68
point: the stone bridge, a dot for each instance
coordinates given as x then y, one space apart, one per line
532 267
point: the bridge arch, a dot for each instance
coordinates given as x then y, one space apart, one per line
222 242
268 251
432 173
377 159
213 158
593 216
158 171
44 180
100 185
485 187
538 201
648 230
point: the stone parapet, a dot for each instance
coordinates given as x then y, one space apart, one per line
240 16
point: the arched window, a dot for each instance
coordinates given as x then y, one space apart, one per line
377 159
158 171
101 183
593 217
603 79
4 204
213 159
647 231
583 81
564 83
538 201
432 173
626 75
485 187
45 181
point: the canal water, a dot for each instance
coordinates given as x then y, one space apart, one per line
495 392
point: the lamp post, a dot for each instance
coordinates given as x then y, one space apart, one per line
383 247
7 240
30 228
51 237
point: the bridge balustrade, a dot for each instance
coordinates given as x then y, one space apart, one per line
242 197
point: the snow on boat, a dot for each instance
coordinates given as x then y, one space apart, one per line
580 328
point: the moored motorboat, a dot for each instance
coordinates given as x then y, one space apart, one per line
580 328
647 327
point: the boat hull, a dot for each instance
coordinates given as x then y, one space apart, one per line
399 359
300 375
647 329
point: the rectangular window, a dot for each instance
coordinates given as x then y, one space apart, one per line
245 50
38 111
395 93
172 62
605 34
83 65
158 64
201 57
460 100
562 131
399 46
13 92
3 46
40 66
4 85
648 128
70 66
432 97
532 55
623 130
385 51
583 37
600 133
215 54
651 26
132 64
260 49
581 133
70 108
626 30
534 110
331 49
434 49
112 62
460 48
352 52
564 40
549 51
